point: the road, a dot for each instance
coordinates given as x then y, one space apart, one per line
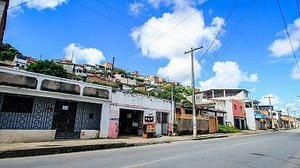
279 149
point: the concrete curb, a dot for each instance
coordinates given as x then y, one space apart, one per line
70 149
204 138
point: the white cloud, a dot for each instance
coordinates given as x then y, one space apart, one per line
176 70
163 45
178 4
295 74
227 75
37 4
274 101
89 55
281 46
136 8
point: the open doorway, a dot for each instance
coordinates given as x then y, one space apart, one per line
130 122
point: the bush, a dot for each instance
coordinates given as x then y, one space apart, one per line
227 129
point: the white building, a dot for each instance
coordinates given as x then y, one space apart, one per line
228 100
128 112
37 107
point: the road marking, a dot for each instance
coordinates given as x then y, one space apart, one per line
150 162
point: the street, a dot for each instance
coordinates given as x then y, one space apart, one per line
278 149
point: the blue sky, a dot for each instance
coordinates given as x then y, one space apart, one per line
151 36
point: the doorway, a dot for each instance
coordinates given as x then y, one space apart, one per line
162 120
64 119
131 122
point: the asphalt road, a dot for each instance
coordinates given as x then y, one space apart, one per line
279 149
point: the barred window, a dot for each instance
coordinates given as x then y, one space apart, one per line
17 104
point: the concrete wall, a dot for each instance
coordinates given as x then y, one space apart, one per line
89 134
40 118
137 101
239 111
149 105
250 119
105 119
229 115
26 135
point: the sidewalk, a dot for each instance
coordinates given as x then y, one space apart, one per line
8 150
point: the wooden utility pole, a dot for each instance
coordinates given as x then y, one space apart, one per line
271 111
3 18
193 87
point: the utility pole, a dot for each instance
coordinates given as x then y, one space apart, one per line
3 19
112 68
173 107
288 112
271 112
112 72
193 87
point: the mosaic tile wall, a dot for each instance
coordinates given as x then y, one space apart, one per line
40 118
83 120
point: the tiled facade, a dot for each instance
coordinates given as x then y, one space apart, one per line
40 118
87 116
83 120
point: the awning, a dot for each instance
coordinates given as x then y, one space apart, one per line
260 116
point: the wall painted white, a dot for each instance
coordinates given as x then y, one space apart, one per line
104 124
149 105
250 118
229 110
89 134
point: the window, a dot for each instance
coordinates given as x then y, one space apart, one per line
241 108
235 107
17 104
248 105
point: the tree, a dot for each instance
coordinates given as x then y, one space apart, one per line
119 71
48 68
8 52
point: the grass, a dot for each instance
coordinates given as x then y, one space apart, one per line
227 129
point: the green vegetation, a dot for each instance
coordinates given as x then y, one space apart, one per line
8 52
119 71
227 129
48 68
164 91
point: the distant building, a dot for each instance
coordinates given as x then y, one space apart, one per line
235 102
154 80
108 66
20 61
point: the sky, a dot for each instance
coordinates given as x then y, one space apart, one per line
244 42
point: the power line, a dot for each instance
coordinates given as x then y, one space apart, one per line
138 21
216 36
288 34
126 26
20 4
